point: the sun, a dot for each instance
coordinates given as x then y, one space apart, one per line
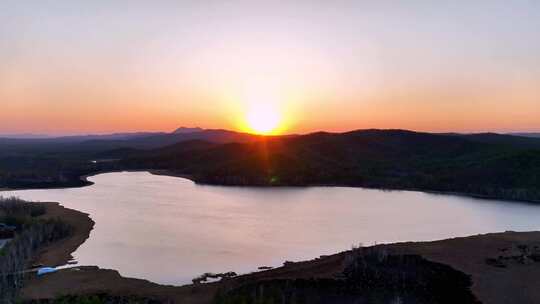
263 119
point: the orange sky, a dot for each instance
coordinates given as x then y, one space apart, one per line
73 68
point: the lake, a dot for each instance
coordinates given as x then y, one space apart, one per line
169 230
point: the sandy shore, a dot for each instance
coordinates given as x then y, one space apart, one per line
59 253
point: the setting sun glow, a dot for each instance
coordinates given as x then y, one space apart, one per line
263 119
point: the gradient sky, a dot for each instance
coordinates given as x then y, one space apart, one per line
70 67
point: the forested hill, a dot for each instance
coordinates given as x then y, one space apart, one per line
491 165
482 164
88 145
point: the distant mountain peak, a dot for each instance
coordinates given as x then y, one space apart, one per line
25 136
184 130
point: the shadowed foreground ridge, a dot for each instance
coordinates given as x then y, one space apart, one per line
371 275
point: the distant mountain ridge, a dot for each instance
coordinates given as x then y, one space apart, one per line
487 164
101 143
24 136
78 138
527 134
184 130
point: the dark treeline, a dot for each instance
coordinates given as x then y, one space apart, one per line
32 234
371 275
22 172
487 165
59 162
96 299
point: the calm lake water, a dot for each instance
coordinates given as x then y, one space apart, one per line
169 230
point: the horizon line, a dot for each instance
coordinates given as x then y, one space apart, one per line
31 135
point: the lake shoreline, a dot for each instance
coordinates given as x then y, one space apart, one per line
59 253
84 182
493 261
94 279
172 173
469 255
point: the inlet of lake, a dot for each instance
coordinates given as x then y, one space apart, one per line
169 230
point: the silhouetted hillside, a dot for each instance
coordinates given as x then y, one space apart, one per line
535 135
502 139
58 162
92 144
490 165
395 159
187 130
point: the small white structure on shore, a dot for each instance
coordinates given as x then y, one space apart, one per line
45 270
